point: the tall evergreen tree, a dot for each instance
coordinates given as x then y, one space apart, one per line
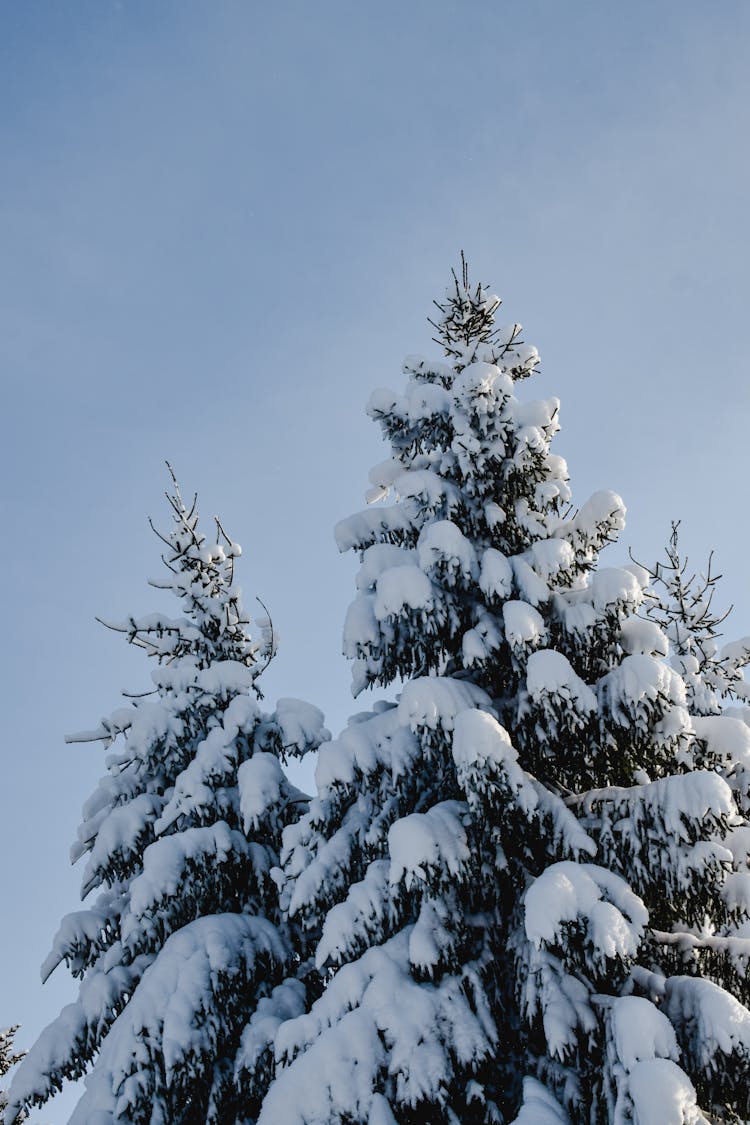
499 865
182 940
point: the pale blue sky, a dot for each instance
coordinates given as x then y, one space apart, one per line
222 224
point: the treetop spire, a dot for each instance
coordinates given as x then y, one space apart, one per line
214 625
467 314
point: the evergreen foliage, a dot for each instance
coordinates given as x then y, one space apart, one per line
8 1057
526 864
182 938
681 602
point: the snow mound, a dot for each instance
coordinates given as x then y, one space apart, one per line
382 740
402 587
568 892
482 747
539 1107
549 673
261 782
615 588
495 576
641 637
726 737
596 520
524 625
639 679
662 1094
301 726
719 1023
641 1031
376 559
426 846
433 702
551 557
442 546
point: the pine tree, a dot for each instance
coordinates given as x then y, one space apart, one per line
8 1057
182 940
681 603
500 867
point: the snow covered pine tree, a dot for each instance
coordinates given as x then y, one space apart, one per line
497 867
184 939
681 603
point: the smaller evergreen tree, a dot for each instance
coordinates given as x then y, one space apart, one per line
681 603
184 938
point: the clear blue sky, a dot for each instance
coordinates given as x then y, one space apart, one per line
222 224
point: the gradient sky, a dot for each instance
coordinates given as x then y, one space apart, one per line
222 224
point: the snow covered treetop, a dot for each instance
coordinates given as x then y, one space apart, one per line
470 509
681 603
465 315
201 575
184 935
466 325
